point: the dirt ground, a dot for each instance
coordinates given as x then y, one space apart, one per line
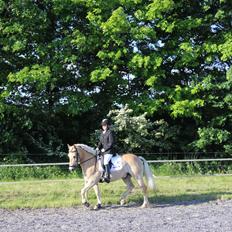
187 216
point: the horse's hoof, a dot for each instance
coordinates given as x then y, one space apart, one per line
145 205
107 179
122 202
97 207
86 204
101 180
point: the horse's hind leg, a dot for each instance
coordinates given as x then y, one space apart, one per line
129 186
144 191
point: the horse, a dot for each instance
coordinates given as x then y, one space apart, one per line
132 166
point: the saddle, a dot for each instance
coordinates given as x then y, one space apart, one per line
115 163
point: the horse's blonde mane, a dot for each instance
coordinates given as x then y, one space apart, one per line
86 148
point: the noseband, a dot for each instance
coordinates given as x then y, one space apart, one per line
78 158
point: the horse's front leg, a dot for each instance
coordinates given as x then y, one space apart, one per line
84 191
84 199
84 195
98 195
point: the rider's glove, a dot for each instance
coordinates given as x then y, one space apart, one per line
98 153
102 150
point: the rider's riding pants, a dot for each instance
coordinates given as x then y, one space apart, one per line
107 158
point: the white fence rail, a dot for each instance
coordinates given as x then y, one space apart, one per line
149 161
33 165
188 160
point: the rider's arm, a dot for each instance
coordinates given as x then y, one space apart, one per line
100 145
111 141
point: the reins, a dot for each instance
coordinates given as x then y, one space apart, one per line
87 159
94 156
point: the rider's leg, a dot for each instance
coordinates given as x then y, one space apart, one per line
107 173
100 168
107 158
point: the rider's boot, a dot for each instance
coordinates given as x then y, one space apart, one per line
107 173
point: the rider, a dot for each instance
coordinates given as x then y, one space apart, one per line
107 146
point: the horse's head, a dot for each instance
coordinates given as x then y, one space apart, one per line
73 157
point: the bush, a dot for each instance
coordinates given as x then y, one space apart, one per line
167 169
22 173
191 168
14 158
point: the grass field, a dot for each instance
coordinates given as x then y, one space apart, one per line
66 193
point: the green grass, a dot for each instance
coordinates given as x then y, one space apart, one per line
66 192
61 172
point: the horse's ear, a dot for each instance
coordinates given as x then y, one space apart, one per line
68 145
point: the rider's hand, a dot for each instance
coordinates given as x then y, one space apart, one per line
102 150
98 153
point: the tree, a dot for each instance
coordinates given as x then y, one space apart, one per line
65 64
133 132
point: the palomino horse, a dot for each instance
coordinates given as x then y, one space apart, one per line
132 166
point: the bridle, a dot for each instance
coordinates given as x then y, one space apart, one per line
78 156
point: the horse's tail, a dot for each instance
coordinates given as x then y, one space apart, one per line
148 174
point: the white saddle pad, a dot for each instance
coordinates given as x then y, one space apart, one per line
116 163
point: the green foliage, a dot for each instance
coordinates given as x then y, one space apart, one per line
65 64
225 48
191 169
132 131
14 158
138 134
168 169
36 76
100 74
116 24
212 136
29 173
186 108
229 74
159 7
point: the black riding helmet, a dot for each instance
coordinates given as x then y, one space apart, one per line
105 122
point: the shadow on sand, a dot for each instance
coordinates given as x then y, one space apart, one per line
186 199
169 201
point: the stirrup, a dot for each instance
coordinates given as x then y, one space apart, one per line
107 179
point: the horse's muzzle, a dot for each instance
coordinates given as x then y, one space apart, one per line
71 168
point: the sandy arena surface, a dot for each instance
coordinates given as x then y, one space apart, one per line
188 216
